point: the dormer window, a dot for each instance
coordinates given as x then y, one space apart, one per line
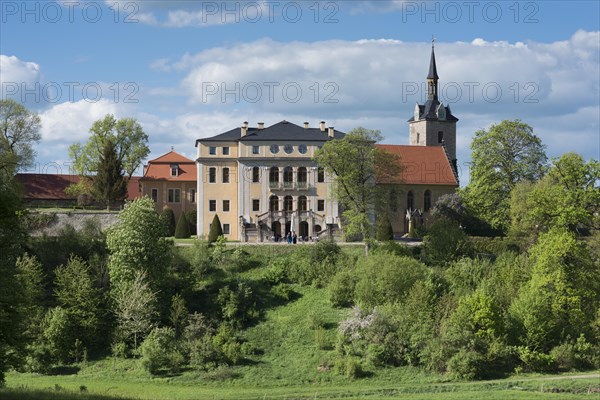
174 169
441 112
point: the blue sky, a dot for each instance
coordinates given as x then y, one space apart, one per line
191 69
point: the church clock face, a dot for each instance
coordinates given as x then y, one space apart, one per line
302 149
288 148
274 148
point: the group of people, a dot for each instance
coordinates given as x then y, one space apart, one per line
291 237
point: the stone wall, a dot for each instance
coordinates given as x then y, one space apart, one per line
74 218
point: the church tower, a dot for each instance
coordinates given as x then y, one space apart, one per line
433 123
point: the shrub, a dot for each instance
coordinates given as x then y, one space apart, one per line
201 262
385 231
283 291
466 365
342 287
385 278
445 242
216 230
237 303
466 274
393 247
160 351
316 264
226 342
276 272
192 217
182 231
536 361
58 334
168 216
349 366
493 245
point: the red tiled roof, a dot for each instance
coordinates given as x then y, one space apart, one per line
52 186
422 165
46 186
171 157
160 168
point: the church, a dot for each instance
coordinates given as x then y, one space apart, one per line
262 181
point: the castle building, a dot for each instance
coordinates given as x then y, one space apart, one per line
262 182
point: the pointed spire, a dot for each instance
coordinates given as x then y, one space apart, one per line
432 67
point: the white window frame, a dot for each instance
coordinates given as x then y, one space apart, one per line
210 202
226 229
174 191
319 201
212 150
215 181
228 205
152 191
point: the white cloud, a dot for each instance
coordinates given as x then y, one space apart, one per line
14 73
376 76
70 122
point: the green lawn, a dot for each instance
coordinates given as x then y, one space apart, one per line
25 386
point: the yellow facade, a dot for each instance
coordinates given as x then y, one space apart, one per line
260 194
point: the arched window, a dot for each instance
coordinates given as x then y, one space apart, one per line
255 175
273 203
427 201
225 175
288 203
288 177
302 174
274 177
410 201
302 203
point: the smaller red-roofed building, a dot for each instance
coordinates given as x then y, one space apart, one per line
170 180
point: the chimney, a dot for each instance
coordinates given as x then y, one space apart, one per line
331 131
322 126
306 125
244 128
261 125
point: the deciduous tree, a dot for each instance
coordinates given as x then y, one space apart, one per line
502 156
19 131
356 165
127 136
135 308
568 197
136 243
